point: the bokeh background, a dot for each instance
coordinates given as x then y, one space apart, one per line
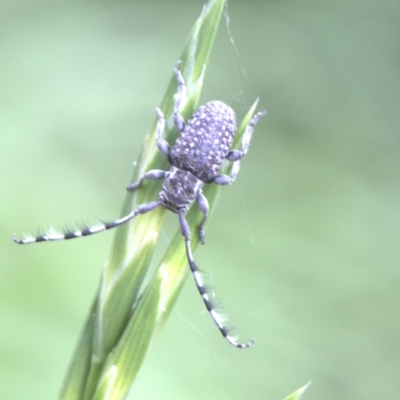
304 248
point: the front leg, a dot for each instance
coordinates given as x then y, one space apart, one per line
153 174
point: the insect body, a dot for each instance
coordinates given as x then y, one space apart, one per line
196 158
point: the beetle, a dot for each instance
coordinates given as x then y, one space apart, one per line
204 143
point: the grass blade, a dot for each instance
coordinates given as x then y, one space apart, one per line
112 336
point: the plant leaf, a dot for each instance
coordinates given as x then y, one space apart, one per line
298 394
111 333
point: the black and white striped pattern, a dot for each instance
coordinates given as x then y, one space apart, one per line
218 318
54 235
195 159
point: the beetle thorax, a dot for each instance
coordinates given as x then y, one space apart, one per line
180 189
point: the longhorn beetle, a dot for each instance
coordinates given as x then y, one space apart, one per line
195 159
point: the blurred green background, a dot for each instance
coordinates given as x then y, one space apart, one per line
303 250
